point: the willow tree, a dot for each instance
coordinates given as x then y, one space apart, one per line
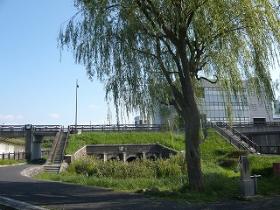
156 51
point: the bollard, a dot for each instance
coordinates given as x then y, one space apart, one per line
255 179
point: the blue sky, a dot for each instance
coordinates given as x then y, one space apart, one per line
37 85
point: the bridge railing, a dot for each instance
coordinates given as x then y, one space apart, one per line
47 128
15 128
251 124
119 127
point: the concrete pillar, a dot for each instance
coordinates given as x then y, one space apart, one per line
36 152
104 157
28 141
246 183
143 155
124 156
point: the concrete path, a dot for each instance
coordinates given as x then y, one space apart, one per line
54 195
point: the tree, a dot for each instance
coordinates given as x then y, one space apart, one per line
158 50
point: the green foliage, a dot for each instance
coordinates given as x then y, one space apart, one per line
14 141
172 167
10 162
148 50
263 164
153 51
175 141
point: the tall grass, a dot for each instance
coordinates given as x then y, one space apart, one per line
10 162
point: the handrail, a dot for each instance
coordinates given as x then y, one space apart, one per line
65 144
52 153
244 138
115 127
230 138
239 135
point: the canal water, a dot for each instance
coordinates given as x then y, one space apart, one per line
10 148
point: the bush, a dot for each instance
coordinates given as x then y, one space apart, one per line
136 169
236 154
228 163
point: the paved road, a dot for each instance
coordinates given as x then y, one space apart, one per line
69 196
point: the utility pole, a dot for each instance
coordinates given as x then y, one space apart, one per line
76 113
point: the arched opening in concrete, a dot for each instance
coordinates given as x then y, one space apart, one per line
100 156
113 158
151 157
131 158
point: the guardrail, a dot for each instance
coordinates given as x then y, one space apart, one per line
16 128
120 127
264 124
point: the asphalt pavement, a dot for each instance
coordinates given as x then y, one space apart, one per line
56 195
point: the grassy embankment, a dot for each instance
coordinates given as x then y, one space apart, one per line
14 141
10 162
167 177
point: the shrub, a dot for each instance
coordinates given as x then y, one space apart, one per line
230 163
137 169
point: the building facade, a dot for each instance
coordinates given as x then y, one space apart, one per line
217 105
245 107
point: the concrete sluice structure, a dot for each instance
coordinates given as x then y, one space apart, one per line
123 152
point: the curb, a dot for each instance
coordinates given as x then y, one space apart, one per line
16 164
19 204
32 171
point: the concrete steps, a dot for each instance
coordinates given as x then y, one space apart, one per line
237 139
53 168
57 153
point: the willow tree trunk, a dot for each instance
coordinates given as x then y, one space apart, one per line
192 140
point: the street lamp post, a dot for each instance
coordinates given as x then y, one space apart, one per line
76 113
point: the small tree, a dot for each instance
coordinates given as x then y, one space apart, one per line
151 50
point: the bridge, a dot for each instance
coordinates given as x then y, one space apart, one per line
33 135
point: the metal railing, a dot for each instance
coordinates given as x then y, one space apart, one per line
64 146
13 156
251 124
53 150
120 127
237 138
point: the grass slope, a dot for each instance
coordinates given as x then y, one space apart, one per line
174 141
10 162
167 178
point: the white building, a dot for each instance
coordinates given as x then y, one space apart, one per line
219 106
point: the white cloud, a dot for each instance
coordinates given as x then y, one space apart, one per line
54 116
11 117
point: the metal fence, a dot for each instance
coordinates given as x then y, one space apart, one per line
19 155
13 156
